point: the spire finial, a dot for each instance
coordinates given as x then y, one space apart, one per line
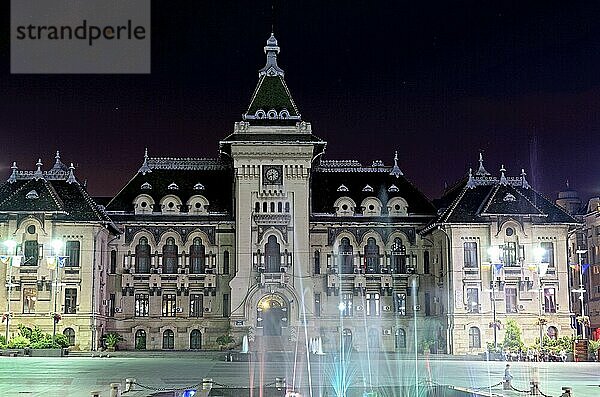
58 165
503 180
144 169
524 183
567 183
395 169
38 172
471 181
13 175
271 49
481 171
71 178
57 157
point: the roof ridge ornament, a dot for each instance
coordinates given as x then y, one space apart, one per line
395 169
503 180
71 179
471 182
144 169
58 165
482 171
38 172
13 175
271 68
525 184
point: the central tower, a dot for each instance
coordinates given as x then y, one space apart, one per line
272 150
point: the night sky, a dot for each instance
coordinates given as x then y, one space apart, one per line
437 81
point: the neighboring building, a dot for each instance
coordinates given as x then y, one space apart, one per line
592 231
272 241
507 260
36 208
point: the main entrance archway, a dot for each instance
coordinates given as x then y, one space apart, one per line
272 314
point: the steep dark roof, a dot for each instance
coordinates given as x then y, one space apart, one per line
216 178
478 200
237 137
325 181
272 93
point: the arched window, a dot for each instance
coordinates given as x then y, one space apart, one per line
346 255
552 332
400 339
169 265
272 255
226 262
398 257
31 252
195 339
280 207
373 338
70 334
287 206
168 340
142 256
197 257
474 338
140 339
257 207
372 256
272 207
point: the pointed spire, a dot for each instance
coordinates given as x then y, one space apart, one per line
144 169
58 165
13 175
396 170
567 183
481 171
524 183
271 68
71 178
38 172
471 181
503 180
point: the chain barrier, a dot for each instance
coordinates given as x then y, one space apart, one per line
154 388
490 387
517 390
537 387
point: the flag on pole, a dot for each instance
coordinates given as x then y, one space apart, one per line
486 266
62 260
4 259
574 266
51 262
15 260
497 267
584 267
543 269
532 267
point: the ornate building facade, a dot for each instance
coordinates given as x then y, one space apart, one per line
272 241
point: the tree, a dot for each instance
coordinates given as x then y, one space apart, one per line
512 337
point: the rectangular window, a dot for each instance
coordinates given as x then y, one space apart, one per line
31 253
510 296
548 255
72 252
226 309
400 304
427 304
426 263
111 305
549 300
317 262
113 262
196 305
168 305
70 300
373 304
29 299
142 305
470 254
509 251
473 300
318 305
346 305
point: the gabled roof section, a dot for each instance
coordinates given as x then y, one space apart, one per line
15 198
507 200
271 102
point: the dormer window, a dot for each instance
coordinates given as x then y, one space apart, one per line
260 114
198 205
170 204
397 206
32 195
173 186
146 186
367 188
272 114
198 186
344 206
393 189
342 188
509 197
143 204
284 114
371 206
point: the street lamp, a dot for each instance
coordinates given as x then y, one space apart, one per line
10 245
494 254
542 267
56 247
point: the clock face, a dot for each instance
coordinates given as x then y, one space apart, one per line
272 175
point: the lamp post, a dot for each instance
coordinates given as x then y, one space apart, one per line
581 290
10 245
56 246
494 254
542 267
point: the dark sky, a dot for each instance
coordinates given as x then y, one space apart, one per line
437 81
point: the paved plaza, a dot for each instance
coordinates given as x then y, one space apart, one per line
78 376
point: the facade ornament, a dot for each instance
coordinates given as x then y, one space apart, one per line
38 172
144 169
13 175
32 195
71 178
146 186
342 188
471 181
198 186
503 180
482 171
271 68
525 184
396 170
367 188
393 189
58 165
173 186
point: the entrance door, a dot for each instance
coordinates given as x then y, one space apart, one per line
272 316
